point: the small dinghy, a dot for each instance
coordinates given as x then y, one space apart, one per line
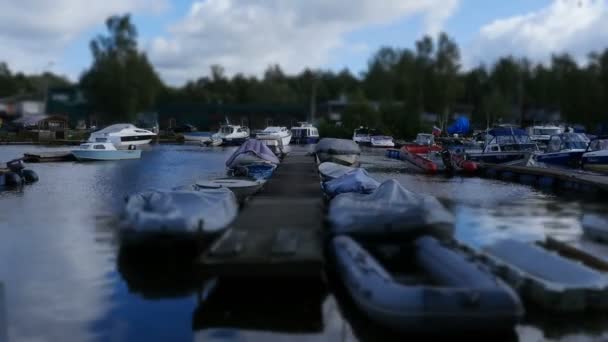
329 170
358 181
546 279
596 227
253 159
434 290
389 211
242 187
206 212
340 151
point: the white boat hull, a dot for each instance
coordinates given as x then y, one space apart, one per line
85 155
272 140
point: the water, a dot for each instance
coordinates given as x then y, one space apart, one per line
66 277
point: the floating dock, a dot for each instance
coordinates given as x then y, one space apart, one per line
547 177
46 157
279 232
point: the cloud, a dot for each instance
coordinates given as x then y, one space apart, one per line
248 35
573 26
34 32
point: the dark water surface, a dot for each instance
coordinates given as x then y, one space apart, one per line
66 278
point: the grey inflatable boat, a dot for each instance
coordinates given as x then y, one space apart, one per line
451 295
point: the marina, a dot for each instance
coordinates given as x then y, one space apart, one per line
277 237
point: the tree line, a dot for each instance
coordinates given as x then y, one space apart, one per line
398 86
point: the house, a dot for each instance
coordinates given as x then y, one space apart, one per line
21 105
43 122
70 102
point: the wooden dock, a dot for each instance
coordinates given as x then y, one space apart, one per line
47 157
279 232
547 177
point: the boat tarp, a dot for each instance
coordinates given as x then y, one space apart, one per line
390 209
357 180
253 147
181 211
337 146
460 126
546 265
331 170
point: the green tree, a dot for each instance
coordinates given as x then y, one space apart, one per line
121 80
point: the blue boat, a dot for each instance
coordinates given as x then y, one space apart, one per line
565 149
504 145
595 157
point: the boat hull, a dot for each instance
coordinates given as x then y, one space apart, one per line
90 155
305 140
568 159
497 158
342 159
419 161
595 161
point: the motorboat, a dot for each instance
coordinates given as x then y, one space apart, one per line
361 136
595 157
541 133
203 138
390 212
204 212
253 159
425 287
550 278
304 134
122 135
595 226
379 140
329 170
422 158
505 145
424 143
274 135
358 181
564 149
104 151
340 151
232 134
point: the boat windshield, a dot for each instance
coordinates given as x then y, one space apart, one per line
545 131
226 129
425 139
575 141
598 145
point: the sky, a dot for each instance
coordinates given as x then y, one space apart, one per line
183 38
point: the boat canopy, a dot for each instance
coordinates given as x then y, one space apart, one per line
598 144
357 180
116 128
567 141
256 147
337 146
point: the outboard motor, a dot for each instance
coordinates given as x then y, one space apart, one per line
16 166
447 159
11 179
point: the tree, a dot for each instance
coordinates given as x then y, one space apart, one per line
121 80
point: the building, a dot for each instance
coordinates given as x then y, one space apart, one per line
70 102
21 105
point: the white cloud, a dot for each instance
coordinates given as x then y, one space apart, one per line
248 35
34 32
573 26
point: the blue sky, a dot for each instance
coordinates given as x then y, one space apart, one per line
183 38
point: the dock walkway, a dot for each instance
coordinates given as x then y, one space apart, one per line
279 232
548 177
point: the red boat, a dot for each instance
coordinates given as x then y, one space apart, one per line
462 164
419 157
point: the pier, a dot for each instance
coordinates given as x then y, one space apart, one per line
279 232
547 177
47 157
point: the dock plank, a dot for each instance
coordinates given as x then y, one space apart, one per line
279 232
41 157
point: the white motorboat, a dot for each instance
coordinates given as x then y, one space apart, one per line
361 136
232 134
305 134
542 134
378 140
595 157
275 136
122 135
104 151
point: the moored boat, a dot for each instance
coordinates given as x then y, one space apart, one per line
361 136
122 135
358 181
434 289
304 134
388 212
565 149
340 151
595 157
232 134
104 151
242 187
204 212
253 159
329 170
546 279
505 145
379 140
428 162
542 134
278 136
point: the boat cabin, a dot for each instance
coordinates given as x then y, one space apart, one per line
509 140
425 139
567 141
99 146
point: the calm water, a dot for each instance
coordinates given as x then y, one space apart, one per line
66 278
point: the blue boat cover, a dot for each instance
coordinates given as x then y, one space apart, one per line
255 147
357 180
461 126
